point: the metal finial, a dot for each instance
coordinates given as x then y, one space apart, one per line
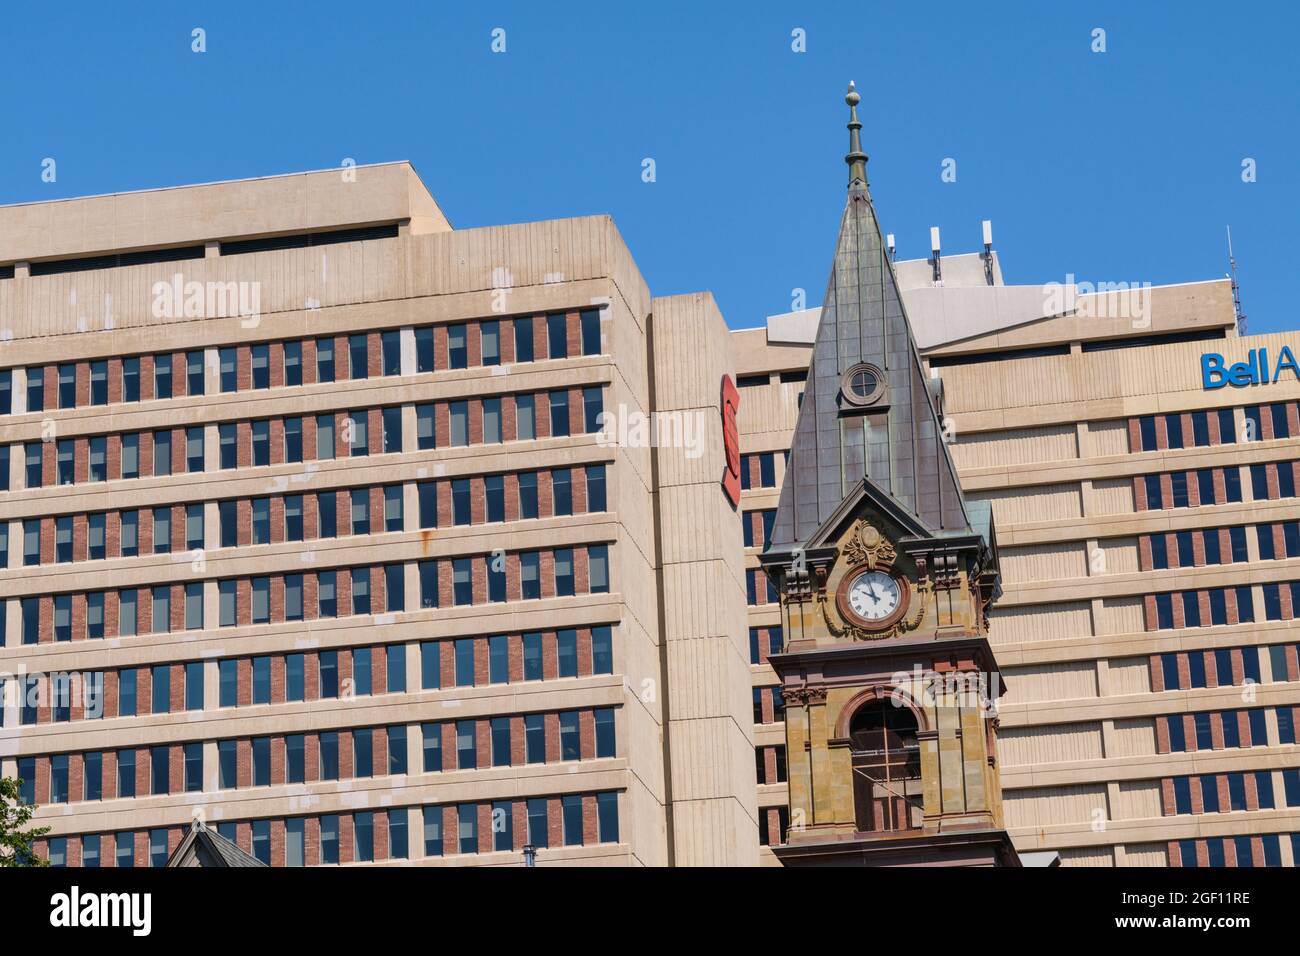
856 158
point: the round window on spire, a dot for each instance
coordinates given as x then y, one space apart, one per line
862 385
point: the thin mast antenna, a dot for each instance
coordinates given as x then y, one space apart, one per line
1236 289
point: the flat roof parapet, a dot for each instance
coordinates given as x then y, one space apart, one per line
239 209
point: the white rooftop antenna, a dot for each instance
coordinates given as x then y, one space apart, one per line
1236 289
934 248
889 245
987 225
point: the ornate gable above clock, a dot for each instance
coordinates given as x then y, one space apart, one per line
873 572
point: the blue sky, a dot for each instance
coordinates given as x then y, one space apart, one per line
1115 166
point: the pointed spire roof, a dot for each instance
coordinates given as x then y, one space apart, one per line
204 846
895 441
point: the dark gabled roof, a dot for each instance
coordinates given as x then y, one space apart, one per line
209 848
863 320
828 532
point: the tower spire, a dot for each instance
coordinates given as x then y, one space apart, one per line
856 158
891 432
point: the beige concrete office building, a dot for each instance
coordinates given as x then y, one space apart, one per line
308 529
308 532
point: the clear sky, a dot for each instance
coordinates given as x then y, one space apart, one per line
1124 165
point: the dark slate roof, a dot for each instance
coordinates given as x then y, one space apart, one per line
211 849
863 320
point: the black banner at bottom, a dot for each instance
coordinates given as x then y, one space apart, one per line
333 905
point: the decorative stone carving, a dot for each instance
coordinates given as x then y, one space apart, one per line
803 696
868 546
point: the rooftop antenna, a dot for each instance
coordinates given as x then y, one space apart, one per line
934 249
1236 289
889 245
988 250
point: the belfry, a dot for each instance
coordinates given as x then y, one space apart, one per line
886 576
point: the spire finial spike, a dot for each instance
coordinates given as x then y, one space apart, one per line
856 158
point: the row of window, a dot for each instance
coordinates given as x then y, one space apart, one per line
1216 606
487 499
104 381
1189 489
274 519
1266 422
1223 667
1217 730
1280 539
101 775
1186 429
1204 608
762 379
1263 850
275 599
1227 792
106 534
453 662
1273 480
1188 549
359 753
69 461
313 675
277 441
99 614
297 362
368 835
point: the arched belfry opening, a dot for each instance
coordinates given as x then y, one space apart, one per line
886 761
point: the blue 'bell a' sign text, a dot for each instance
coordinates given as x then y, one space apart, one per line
1256 370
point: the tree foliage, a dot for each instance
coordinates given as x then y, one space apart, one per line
16 839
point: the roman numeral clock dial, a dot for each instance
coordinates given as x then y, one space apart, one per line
873 599
873 595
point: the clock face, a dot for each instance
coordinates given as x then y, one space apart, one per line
874 595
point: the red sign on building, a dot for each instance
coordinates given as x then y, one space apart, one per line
730 441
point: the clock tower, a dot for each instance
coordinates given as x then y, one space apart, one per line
886 576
